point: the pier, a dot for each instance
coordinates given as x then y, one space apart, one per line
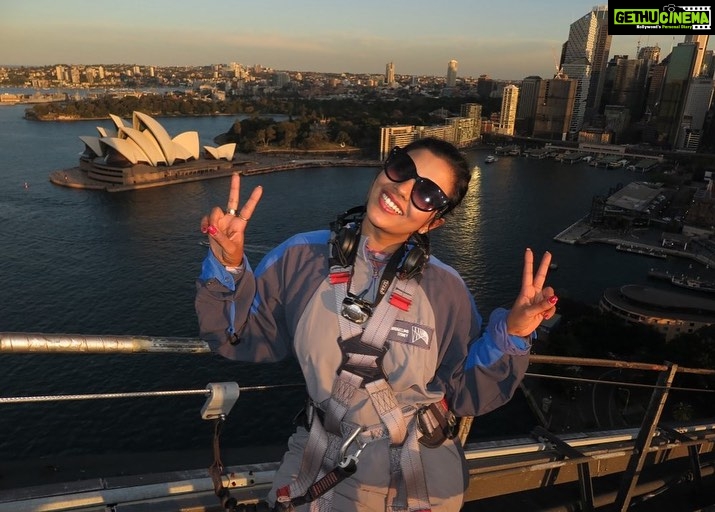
582 232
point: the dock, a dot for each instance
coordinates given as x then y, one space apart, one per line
582 232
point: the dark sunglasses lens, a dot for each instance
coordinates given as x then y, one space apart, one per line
400 167
427 196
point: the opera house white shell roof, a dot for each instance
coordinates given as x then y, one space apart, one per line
146 141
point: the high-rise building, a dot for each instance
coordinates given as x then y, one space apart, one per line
708 63
554 107
485 87
674 91
507 117
697 105
701 41
75 75
452 73
389 73
526 107
281 78
471 110
625 84
584 58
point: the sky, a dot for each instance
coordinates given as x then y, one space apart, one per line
505 39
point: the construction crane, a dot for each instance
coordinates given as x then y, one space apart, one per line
559 71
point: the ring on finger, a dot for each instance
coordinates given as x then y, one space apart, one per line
244 219
231 211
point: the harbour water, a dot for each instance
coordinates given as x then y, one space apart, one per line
89 262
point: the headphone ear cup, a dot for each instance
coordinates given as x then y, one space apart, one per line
345 244
414 262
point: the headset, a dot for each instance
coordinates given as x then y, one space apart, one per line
345 238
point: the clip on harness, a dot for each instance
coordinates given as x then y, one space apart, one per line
344 469
362 368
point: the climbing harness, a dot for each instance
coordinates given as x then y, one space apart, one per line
364 328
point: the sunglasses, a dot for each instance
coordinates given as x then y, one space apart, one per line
426 194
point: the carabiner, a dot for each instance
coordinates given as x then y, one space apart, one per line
347 459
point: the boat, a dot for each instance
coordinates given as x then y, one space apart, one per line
693 283
684 280
491 159
645 251
655 465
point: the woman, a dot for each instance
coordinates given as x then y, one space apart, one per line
389 339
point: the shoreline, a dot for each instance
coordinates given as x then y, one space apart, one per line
77 178
645 241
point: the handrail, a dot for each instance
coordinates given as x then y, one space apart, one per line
22 343
17 343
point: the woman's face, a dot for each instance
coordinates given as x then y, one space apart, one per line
391 215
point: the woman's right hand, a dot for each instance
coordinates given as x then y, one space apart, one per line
226 229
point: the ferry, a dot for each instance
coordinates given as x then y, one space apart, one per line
693 283
645 251
683 280
652 466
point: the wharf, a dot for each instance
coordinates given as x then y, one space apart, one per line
642 241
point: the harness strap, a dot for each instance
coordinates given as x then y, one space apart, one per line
343 388
396 493
347 328
413 473
383 399
317 447
375 336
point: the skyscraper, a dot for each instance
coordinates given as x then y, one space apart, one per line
697 104
452 73
674 91
526 108
585 59
626 84
389 73
702 42
554 107
507 117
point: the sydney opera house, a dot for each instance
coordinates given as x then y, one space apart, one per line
143 155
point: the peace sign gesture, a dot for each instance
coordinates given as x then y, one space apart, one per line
534 303
226 228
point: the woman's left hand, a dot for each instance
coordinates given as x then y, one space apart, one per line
534 303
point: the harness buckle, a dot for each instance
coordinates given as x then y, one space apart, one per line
436 423
356 347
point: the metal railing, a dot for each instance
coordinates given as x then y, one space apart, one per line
650 426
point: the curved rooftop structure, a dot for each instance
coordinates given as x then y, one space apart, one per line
146 141
143 154
671 313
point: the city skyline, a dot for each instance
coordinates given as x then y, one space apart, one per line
507 41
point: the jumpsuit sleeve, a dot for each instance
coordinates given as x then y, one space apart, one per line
234 318
481 368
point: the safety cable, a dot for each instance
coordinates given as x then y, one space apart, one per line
620 383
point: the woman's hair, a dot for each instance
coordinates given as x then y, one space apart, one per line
449 153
